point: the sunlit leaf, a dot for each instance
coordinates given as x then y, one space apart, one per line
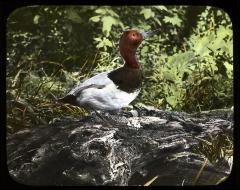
97 39
100 45
161 8
229 67
95 19
100 11
36 19
169 76
107 42
108 21
148 13
173 20
112 13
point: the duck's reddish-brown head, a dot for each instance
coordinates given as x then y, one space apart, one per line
129 42
130 39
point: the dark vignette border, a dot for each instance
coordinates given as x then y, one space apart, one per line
232 8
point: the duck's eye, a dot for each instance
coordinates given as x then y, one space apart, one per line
133 35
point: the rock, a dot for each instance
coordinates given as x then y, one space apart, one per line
138 147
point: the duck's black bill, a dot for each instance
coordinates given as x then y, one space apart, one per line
149 33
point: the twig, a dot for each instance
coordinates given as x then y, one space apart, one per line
200 171
151 181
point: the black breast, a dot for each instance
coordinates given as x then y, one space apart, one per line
127 79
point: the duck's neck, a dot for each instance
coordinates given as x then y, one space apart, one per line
130 58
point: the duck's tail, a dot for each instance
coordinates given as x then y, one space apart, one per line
68 99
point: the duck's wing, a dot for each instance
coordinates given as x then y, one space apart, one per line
98 81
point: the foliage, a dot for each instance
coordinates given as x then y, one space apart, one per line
199 75
52 48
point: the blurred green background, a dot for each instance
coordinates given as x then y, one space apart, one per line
188 65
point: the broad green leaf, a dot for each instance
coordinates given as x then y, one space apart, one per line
172 100
148 13
112 13
168 75
181 58
102 11
108 21
100 45
173 20
94 18
202 44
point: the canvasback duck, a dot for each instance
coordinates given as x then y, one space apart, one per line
113 90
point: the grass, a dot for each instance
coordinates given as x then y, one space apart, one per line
218 149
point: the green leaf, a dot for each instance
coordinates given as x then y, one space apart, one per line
206 78
104 43
100 45
112 13
169 76
148 13
74 17
157 20
219 13
36 19
144 50
172 101
94 18
202 44
108 21
229 67
173 20
101 11
107 42
161 8
97 39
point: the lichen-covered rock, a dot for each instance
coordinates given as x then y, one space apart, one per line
138 146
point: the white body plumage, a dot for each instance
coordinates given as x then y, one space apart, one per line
100 93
